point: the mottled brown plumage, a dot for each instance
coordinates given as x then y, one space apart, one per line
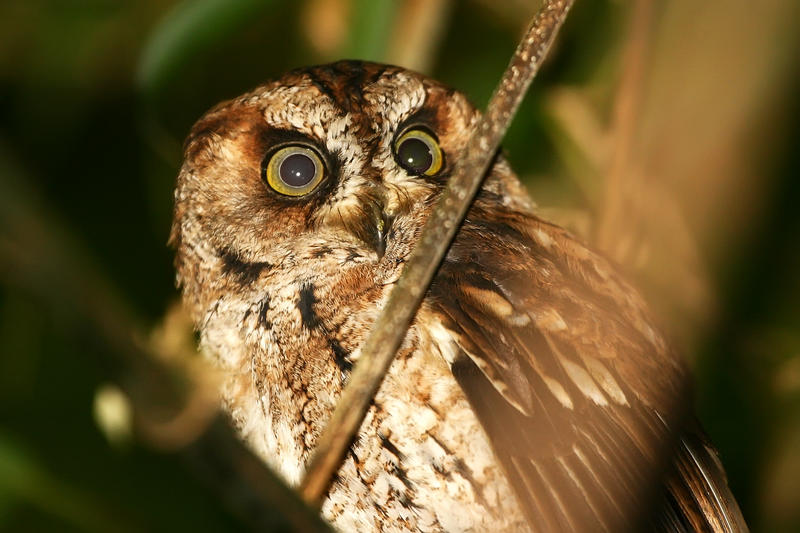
533 390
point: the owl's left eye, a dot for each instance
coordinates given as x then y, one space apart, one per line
418 152
294 170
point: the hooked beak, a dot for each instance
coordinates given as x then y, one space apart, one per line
382 224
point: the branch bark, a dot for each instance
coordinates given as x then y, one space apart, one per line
391 326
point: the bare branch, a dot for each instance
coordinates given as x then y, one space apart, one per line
390 328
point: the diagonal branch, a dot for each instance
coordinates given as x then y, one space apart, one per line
390 328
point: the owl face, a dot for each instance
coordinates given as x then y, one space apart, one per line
344 158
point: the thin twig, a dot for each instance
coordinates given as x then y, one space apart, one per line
390 328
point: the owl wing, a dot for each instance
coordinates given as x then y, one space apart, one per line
584 403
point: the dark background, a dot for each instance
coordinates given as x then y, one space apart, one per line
97 95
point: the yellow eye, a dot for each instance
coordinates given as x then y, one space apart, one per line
419 153
294 170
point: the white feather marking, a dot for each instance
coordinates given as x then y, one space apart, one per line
558 391
543 238
606 380
443 340
581 378
550 320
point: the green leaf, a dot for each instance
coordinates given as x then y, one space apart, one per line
24 479
370 29
190 28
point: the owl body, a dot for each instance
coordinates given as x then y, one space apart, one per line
532 391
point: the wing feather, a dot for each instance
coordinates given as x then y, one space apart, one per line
584 402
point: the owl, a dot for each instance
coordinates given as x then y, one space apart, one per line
533 392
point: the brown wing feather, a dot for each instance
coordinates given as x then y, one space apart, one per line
584 403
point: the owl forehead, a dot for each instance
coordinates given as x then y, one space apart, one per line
341 113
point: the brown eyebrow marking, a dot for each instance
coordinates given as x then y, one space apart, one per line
344 81
220 120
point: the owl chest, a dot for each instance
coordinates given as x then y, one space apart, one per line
421 461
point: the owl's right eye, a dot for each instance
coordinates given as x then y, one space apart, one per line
294 170
418 152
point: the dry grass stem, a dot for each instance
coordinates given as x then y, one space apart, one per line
626 115
417 32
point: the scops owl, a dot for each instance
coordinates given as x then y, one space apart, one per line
532 392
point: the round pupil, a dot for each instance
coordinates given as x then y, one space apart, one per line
297 170
415 154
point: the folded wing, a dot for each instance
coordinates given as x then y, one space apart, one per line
585 404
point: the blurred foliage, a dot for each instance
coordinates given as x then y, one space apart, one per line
96 96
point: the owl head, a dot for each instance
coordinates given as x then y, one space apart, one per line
342 158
